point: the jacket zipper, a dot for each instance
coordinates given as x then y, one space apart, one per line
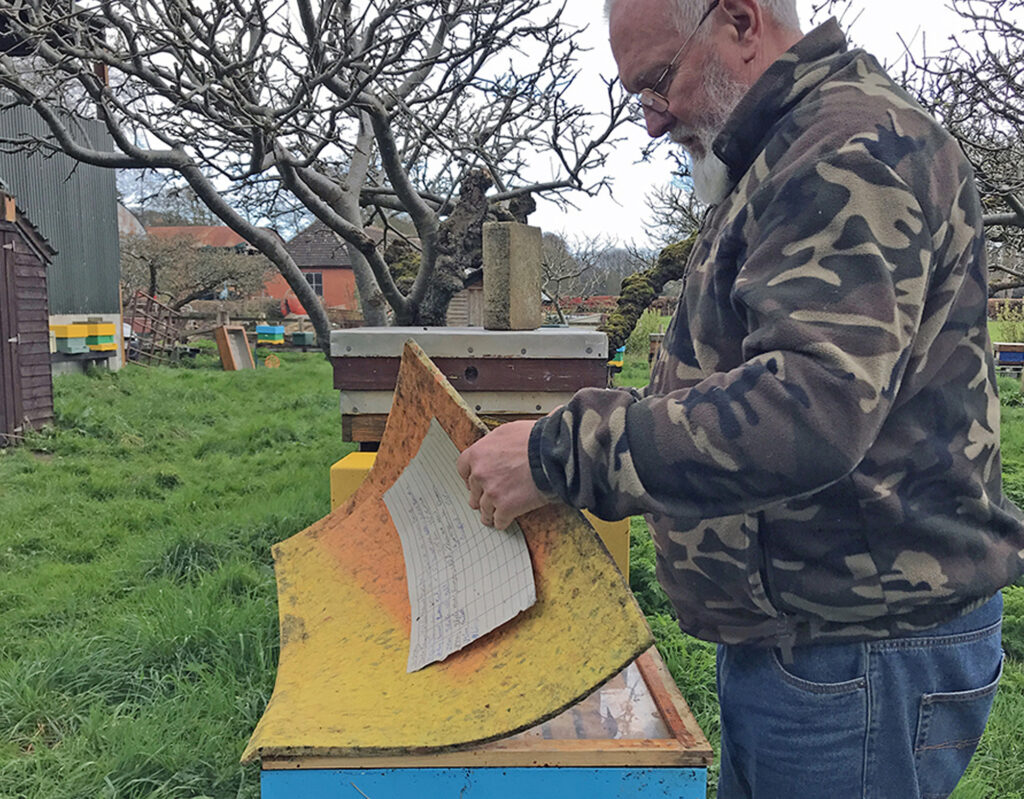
785 634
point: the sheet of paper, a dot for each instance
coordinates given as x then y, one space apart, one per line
464 579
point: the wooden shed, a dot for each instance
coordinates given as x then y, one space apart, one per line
26 385
467 307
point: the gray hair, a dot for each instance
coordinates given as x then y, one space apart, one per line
686 13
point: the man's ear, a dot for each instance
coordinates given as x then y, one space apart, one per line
745 26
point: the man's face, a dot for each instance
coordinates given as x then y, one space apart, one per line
702 92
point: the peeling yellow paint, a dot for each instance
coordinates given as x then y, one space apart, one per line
341 685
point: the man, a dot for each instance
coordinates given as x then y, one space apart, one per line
818 450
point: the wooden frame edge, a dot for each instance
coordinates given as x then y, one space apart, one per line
686 748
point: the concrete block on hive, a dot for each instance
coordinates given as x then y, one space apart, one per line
512 258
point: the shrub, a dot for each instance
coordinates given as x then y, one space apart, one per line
1009 319
639 342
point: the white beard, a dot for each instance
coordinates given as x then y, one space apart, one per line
710 178
723 93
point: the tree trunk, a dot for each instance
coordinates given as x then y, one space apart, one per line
641 289
459 249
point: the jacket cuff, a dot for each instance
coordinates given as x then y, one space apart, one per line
540 477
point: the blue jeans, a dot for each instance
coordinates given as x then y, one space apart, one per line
892 719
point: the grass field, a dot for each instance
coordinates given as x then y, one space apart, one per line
138 602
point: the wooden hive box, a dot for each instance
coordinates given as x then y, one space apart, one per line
501 374
514 713
634 737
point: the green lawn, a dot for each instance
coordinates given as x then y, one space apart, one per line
138 603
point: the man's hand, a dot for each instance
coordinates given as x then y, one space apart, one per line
497 473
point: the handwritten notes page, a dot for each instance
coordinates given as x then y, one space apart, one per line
464 579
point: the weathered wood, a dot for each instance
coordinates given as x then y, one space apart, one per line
575 738
10 376
671 704
35 299
363 428
31 305
484 402
369 428
515 754
233 347
342 686
30 393
29 348
36 384
478 374
39 369
26 388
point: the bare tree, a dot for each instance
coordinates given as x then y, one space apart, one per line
176 271
436 108
974 85
568 267
675 213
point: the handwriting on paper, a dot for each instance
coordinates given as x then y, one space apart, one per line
464 579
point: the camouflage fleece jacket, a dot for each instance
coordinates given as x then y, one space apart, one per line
818 450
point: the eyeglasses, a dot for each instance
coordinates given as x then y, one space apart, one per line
650 98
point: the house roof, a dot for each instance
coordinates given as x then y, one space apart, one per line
203 235
318 245
36 241
128 224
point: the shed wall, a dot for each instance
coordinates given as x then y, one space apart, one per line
32 380
74 206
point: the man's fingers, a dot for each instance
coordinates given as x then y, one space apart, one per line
463 467
486 511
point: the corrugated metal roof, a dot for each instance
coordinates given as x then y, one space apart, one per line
74 206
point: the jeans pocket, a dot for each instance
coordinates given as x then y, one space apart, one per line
949 726
823 670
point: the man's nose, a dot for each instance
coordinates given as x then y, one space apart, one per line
658 122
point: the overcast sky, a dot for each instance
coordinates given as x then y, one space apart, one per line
878 28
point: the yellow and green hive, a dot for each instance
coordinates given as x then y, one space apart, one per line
81 337
101 336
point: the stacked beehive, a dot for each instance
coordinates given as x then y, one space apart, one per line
270 334
82 337
71 339
101 336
